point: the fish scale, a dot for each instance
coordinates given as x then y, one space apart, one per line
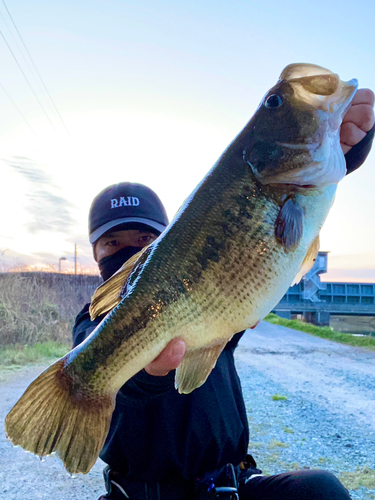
224 262
205 295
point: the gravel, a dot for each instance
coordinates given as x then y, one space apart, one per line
310 403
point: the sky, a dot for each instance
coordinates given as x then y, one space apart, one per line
153 92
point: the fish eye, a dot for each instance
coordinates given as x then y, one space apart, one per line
273 101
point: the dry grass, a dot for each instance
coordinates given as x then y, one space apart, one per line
39 307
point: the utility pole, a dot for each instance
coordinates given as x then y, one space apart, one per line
75 258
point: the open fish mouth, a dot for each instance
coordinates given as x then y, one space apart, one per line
313 158
320 88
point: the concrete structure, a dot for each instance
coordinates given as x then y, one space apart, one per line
315 301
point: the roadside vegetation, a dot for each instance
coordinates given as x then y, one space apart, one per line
20 355
37 313
325 332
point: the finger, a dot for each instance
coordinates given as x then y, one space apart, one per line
345 148
350 134
364 96
361 115
169 359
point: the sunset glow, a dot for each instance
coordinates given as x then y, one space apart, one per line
154 93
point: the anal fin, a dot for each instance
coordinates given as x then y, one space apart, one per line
196 367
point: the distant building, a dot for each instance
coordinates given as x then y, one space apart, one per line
315 301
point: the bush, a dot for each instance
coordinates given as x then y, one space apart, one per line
37 307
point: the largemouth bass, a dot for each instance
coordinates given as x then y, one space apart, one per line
238 242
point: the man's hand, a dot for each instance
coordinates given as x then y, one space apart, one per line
358 120
169 359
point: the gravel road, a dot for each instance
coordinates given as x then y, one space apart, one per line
310 402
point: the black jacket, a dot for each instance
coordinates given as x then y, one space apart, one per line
157 433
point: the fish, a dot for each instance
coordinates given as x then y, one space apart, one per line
249 229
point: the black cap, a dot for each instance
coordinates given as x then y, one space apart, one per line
125 203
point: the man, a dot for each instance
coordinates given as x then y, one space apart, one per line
164 445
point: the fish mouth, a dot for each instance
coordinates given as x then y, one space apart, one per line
320 88
317 161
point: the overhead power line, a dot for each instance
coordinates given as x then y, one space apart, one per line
15 41
20 112
27 80
36 69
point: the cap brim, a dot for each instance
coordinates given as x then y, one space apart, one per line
95 235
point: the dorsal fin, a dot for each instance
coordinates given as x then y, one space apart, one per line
108 294
308 261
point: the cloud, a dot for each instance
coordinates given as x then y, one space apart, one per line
49 211
29 169
81 240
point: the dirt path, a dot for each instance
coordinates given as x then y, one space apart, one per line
336 375
328 376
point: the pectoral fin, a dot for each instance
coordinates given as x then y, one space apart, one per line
289 225
196 367
308 261
108 295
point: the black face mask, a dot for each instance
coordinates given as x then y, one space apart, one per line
109 265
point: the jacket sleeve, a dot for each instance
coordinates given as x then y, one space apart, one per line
83 326
358 154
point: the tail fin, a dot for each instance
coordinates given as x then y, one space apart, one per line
47 419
